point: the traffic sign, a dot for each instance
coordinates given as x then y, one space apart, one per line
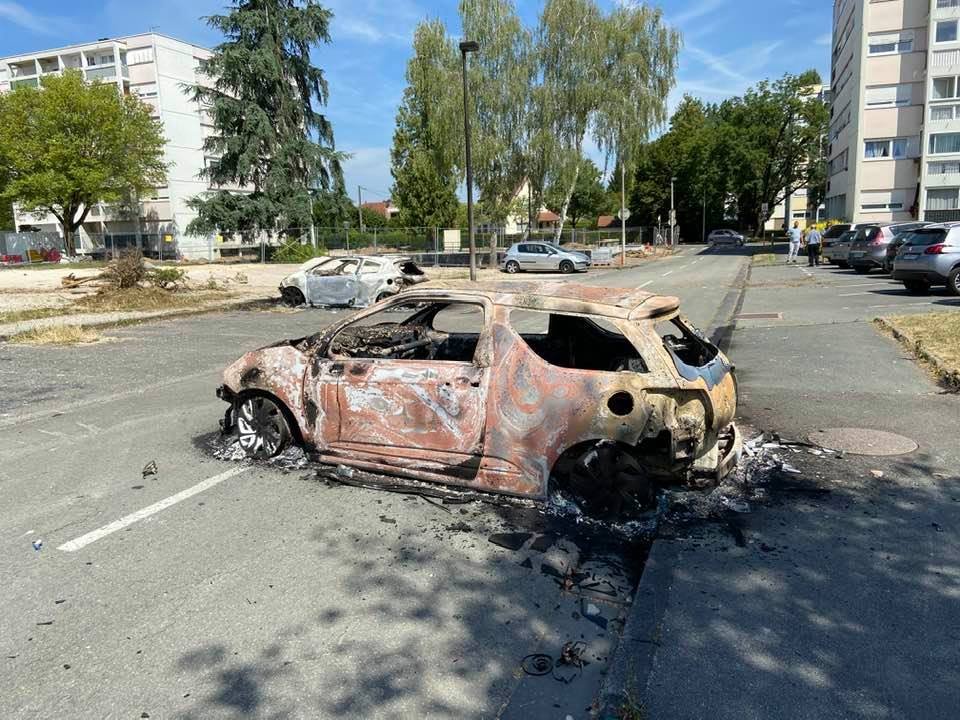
624 214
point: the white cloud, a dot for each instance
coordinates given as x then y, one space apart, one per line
716 63
20 16
695 11
824 39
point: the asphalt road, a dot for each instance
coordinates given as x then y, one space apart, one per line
216 590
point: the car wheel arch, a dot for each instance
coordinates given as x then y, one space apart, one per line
296 432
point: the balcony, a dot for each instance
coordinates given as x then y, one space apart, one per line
27 82
941 216
107 72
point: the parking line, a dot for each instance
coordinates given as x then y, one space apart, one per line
639 287
669 272
854 293
923 302
94 535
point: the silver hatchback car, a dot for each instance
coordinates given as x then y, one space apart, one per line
542 257
931 256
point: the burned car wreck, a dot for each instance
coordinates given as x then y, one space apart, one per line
350 280
514 388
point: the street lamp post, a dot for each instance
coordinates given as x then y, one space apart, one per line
673 214
469 46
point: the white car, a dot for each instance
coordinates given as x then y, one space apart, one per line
725 237
350 280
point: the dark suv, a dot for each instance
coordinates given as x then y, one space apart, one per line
869 247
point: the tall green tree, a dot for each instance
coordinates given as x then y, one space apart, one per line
270 137
424 158
69 145
589 198
331 208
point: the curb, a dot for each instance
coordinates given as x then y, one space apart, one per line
131 318
626 683
940 368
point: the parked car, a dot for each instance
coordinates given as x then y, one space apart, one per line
894 247
931 256
350 280
836 252
543 257
725 237
502 387
830 236
869 247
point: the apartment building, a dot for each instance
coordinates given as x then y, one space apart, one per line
153 67
894 150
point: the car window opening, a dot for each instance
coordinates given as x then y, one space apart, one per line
436 331
688 347
577 343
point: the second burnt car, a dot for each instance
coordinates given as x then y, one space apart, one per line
516 388
350 280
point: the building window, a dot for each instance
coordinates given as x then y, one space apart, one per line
944 88
839 163
948 3
943 112
949 167
943 199
942 143
882 201
891 44
886 149
888 95
947 31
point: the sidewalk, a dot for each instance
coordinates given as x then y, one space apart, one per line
120 318
838 596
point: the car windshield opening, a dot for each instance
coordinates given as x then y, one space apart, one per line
337 267
415 331
577 343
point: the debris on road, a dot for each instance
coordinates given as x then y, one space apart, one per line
150 469
37 544
877 473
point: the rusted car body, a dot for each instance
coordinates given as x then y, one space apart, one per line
350 280
613 387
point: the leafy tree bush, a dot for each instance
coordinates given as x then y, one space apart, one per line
293 252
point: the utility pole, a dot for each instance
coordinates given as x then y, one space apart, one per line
469 46
704 213
359 207
313 229
673 214
623 214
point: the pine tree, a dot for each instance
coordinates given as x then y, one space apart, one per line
263 102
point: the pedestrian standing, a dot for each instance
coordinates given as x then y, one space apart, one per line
813 246
795 235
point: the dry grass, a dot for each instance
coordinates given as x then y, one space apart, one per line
765 258
938 333
143 299
57 335
13 316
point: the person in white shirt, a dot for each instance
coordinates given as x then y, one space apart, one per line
795 235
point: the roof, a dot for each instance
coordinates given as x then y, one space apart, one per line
605 220
547 216
625 303
102 41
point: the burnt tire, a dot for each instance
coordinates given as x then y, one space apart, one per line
953 282
512 267
917 287
608 482
292 296
262 428
566 267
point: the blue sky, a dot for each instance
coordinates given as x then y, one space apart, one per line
728 45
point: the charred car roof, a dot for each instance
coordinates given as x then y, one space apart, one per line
626 303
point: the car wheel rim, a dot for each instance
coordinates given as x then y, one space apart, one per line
511 267
260 427
956 283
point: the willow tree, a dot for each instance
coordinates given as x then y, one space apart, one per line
269 138
501 76
638 71
426 153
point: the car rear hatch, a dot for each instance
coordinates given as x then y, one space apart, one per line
913 255
868 241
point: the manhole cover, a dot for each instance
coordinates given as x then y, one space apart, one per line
860 441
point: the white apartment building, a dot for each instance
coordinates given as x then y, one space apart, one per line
895 120
154 67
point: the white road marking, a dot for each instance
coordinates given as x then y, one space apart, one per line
644 284
854 293
669 272
924 302
52 433
849 285
94 535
